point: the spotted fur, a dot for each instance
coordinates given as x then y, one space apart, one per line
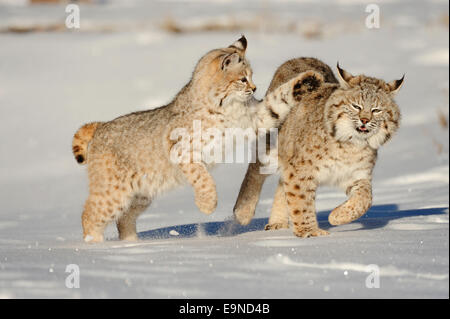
330 138
128 158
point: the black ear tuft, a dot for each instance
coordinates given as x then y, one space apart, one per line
243 40
240 44
338 67
395 85
340 71
344 76
398 83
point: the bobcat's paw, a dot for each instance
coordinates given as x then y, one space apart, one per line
129 237
275 226
310 232
244 214
306 82
94 238
206 202
343 215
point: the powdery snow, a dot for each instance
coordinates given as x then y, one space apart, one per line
51 83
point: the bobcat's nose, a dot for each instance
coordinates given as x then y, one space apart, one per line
365 121
254 89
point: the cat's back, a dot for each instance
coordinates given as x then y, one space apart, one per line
132 129
291 68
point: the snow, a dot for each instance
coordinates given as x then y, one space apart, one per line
52 82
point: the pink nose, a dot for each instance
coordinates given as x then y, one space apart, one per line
365 121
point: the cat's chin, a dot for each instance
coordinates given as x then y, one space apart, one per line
247 97
243 98
353 135
374 138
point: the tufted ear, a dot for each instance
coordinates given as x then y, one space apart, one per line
395 85
344 77
240 44
230 60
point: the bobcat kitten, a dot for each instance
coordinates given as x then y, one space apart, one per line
331 137
128 158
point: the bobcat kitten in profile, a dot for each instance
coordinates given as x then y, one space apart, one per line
331 137
128 158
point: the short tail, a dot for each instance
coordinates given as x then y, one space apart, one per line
81 141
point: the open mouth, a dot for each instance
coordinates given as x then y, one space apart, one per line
362 129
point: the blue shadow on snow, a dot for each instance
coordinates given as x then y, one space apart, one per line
377 217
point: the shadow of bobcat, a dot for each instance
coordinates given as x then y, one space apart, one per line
377 217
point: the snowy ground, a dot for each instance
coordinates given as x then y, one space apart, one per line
51 83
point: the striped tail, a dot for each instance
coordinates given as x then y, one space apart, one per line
81 141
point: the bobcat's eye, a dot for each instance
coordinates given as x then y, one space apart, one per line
357 107
244 80
376 111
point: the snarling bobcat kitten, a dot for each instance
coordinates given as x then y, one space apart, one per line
331 137
129 160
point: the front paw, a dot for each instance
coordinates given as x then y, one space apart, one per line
306 82
129 237
310 232
275 226
93 238
206 202
343 215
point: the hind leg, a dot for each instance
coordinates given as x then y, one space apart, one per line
109 196
93 222
98 212
126 223
279 216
